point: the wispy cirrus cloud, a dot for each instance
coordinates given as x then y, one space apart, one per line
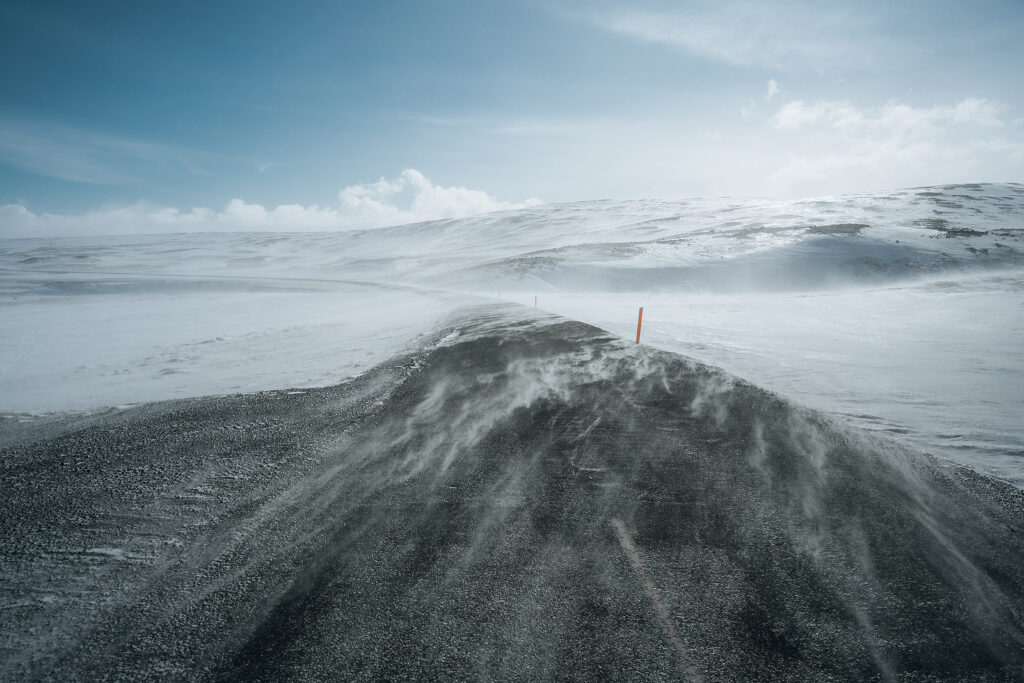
86 156
571 126
796 36
517 126
410 197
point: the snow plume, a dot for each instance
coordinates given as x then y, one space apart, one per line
409 198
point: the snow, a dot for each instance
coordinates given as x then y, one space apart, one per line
102 342
902 312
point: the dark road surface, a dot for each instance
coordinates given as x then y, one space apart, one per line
527 498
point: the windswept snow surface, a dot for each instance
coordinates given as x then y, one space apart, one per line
902 312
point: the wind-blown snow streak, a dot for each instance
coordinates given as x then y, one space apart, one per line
690 670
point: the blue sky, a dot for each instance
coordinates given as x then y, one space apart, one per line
364 113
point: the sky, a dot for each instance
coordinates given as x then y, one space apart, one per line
154 117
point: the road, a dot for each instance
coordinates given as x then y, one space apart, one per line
523 498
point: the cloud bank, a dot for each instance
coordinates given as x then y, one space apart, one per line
836 142
409 198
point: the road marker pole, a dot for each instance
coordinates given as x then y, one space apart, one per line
535 301
639 322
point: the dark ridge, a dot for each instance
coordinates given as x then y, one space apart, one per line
964 232
533 499
837 229
942 225
965 186
932 223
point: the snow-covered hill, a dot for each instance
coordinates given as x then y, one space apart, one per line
902 311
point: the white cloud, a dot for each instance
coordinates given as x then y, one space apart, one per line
409 198
798 114
892 116
412 197
773 89
834 142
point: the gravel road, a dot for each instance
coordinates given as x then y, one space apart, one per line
522 498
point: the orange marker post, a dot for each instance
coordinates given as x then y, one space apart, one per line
639 321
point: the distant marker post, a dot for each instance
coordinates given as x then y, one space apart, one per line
535 301
639 322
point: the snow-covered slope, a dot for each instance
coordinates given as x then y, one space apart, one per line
903 311
693 244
